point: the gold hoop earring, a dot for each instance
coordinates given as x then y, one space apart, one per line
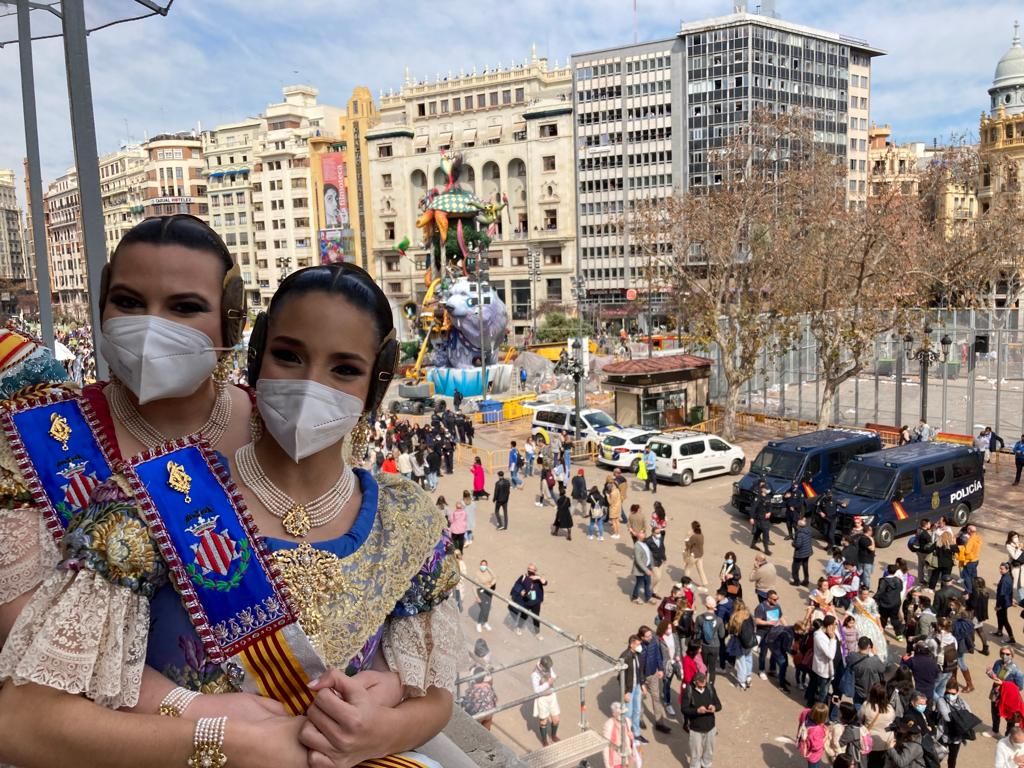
360 436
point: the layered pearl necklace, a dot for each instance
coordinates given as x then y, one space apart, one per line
296 519
127 413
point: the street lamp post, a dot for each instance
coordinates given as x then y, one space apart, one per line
575 368
481 276
927 356
533 272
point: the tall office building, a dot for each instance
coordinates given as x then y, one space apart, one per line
647 116
65 248
123 176
174 180
14 265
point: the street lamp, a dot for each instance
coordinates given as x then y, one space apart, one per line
533 271
927 356
574 367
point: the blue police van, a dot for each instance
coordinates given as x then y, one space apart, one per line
892 490
814 458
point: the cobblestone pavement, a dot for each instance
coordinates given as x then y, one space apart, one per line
588 594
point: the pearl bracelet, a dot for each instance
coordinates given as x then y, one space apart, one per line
176 702
208 743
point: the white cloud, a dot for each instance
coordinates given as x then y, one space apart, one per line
220 61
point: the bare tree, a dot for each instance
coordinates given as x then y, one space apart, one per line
721 252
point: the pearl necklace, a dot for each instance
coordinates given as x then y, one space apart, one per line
296 519
126 412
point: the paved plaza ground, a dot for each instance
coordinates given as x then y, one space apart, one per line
588 594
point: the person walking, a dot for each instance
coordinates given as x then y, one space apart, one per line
515 465
671 655
457 526
618 732
767 614
967 557
693 554
803 548
528 593
656 544
545 705
709 631
822 664
1018 458
530 456
470 506
580 494
650 462
742 639
484 596
652 667
950 709
995 442
479 479
761 521
642 564
614 504
596 502
636 522
700 705
1004 601
502 491
1005 671
563 516
632 682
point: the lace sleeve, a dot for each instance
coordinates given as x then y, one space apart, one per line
85 629
28 554
423 649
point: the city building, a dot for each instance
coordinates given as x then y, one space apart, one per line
341 162
513 128
649 115
229 159
122 187
1002 129
174 179
14 265
283 211
65 248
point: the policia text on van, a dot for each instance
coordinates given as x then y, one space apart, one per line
892 490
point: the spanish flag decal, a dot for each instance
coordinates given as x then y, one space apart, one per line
809 491
901 513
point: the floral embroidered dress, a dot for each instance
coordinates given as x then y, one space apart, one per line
109 609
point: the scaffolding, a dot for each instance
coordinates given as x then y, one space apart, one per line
74 28
512 679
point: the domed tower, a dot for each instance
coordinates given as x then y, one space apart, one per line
1002 129
1007 89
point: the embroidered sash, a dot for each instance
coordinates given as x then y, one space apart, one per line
228 582
60 450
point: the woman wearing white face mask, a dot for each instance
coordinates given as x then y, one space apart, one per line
348 549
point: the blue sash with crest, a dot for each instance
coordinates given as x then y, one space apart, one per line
60 450
228 582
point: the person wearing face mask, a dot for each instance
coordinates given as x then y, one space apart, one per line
484 594
1015 557
956 722
300 523
1010 750
1004 671
171 300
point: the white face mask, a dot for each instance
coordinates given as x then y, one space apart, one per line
305 417
156 358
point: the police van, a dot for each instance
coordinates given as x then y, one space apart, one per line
814 459
892 490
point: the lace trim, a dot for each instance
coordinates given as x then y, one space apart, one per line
424 649
82 635
28 555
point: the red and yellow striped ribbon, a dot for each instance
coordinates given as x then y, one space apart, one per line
278 674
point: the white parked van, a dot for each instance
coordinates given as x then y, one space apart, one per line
683 457
562 418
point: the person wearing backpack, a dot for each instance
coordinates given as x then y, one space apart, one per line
849 738
889 599
811 733
956 722
709 630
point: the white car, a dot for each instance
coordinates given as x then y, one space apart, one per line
625 447
683 457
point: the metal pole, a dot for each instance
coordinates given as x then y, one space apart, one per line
925 365
35 176
899 385
483 339
583 685
999 380
83 133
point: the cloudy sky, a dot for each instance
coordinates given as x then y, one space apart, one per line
214 61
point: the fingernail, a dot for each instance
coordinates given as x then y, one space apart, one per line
313 682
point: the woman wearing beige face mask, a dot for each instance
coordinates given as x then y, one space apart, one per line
346 548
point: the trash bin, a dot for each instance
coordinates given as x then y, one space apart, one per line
491 411
697 414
